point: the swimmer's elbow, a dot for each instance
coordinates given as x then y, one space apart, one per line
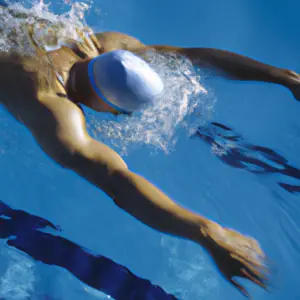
96 162
120 180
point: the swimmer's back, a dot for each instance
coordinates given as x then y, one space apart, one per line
22 79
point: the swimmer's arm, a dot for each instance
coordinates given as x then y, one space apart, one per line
236 66
59 127
61 131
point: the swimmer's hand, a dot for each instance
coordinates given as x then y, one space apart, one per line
89 44
236 256
294 83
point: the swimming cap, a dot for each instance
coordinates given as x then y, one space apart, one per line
124 81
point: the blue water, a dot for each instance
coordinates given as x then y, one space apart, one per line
252 185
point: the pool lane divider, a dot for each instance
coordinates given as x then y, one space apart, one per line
23 232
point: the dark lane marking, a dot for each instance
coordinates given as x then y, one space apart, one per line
99 272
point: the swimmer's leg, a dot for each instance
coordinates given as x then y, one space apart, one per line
236 66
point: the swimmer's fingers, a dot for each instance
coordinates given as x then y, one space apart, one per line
239 287
82 44
90 44
253 271
96 42
252 260
239 267
84 48
237 255
86 42
256 277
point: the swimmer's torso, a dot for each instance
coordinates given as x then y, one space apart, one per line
45 67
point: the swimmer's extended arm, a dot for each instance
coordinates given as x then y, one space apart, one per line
235 66
225 63
59 127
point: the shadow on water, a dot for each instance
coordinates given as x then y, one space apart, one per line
230 148
23 232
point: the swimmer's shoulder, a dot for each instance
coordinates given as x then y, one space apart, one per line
23 77
12 70
25 83
113 40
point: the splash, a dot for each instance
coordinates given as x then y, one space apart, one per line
48 26
184 105
17 283
188 273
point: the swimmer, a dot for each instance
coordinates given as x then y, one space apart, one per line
107 73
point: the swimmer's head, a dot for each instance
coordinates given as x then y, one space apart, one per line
122 82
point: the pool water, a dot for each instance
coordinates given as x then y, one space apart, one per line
240 168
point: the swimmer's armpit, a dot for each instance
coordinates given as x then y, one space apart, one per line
236 66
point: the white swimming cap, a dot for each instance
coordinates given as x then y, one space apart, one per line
124 81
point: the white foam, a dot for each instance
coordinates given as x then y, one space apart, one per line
188 273
185 104
17 283
13 33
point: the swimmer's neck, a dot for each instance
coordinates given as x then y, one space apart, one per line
80 90
78 85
